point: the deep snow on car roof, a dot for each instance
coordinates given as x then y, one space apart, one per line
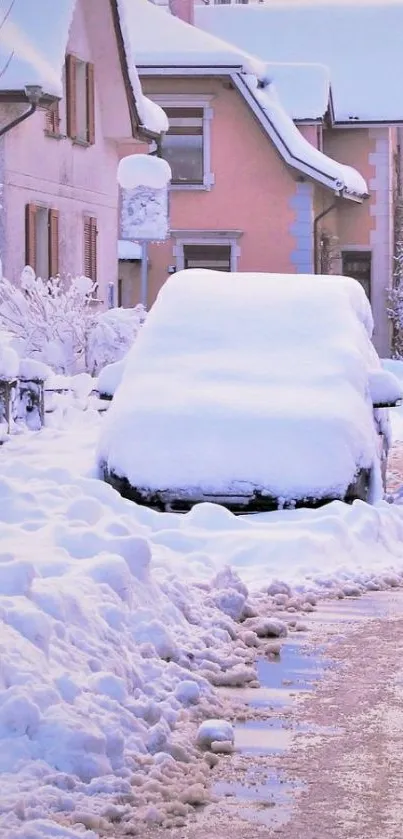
247 381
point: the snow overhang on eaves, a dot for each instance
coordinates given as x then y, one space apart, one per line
295 150
148 120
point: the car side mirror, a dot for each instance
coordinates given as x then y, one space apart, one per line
385 388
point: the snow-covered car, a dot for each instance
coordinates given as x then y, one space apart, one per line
255 391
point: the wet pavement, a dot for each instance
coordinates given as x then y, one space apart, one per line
318 746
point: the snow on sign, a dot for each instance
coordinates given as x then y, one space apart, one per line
144 183
145 214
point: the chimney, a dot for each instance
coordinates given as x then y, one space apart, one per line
183 9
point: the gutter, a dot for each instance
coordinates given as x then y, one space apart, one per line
33 94
6 128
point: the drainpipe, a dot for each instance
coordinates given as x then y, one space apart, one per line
33 93
315 235
157 152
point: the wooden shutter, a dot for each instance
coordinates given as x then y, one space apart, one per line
30 235
52 119
90 92
53 243
71 96
90 247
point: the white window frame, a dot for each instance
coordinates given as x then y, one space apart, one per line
181 239
171 100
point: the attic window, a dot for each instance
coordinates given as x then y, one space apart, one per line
80 100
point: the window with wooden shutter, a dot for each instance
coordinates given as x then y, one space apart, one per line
80 96
71 96
30 235
52 120
53 242
90 91
42 240
90 247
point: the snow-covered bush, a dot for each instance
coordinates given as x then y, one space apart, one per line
58 322
112 336
395 302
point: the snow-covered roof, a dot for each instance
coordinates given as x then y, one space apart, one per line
33 40
304 89
151 115
162 43
158 39
360 42
128 250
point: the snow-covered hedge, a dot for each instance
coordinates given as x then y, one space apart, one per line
59 323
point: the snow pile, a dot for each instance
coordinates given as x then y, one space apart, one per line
244 382
301 550
116 621
101 664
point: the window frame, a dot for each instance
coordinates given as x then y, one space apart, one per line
201 246
72 61
53 238
358 252
200 102
213 238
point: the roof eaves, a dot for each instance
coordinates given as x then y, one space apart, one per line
17 97
187 70
297 163
138 129
367 123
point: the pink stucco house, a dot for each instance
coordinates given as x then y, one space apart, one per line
357 49
263 177
66 67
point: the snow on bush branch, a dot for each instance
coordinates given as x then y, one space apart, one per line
59 323
395 302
